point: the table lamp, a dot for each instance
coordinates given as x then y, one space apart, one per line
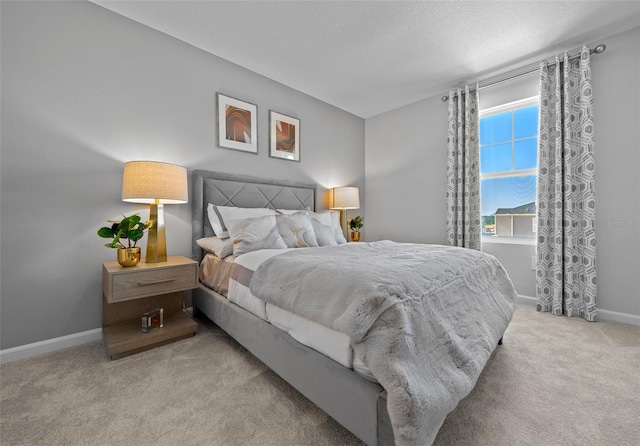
157 184
344 198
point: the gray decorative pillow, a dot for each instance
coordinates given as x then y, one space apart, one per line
217 246
252 234
297 230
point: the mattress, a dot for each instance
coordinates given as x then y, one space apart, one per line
215 274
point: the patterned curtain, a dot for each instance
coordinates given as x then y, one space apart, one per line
566 245
463 170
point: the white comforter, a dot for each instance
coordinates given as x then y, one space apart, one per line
327 341
423 318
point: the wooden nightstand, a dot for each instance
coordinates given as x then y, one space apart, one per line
129 292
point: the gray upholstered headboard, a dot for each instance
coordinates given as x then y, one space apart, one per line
224 189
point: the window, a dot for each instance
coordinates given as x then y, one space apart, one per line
508 170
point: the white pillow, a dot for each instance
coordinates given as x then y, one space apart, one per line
252 234
297 230
335 225
324 233
289 211
217 246
220 216
323 217
337 228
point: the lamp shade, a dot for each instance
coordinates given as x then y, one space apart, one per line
344 198
154 182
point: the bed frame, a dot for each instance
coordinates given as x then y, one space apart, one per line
355 402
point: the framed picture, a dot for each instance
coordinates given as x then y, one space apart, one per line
284 134
237 124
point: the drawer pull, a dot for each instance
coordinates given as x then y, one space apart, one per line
154 282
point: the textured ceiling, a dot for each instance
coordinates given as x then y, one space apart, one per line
368 57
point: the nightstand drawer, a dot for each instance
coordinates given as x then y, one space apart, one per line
152 282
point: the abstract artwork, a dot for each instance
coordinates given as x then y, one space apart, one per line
284 137
237 124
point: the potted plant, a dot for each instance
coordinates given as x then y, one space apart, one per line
356 224
130 229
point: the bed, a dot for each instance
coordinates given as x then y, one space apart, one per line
351 398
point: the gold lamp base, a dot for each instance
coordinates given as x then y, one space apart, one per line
156 242
343 222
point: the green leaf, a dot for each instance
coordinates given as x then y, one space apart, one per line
356 223
129 224
135 234
120 234
129 228
124 224
105 232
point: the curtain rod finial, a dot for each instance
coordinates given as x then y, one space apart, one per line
600 48
444 98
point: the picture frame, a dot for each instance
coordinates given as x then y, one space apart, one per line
237 124
284 136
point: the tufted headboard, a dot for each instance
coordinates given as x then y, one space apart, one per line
224 189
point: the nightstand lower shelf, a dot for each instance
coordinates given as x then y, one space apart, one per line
126 338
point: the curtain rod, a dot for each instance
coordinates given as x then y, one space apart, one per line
597 50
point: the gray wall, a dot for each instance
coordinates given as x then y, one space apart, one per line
405 167
616 89
85 90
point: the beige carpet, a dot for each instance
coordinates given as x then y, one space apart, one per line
555 381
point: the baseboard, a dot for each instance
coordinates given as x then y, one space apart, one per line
527 300
50 345
614 316
603 315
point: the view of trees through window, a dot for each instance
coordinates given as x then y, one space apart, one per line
508 167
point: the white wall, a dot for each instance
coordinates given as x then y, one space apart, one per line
83 91
405 165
